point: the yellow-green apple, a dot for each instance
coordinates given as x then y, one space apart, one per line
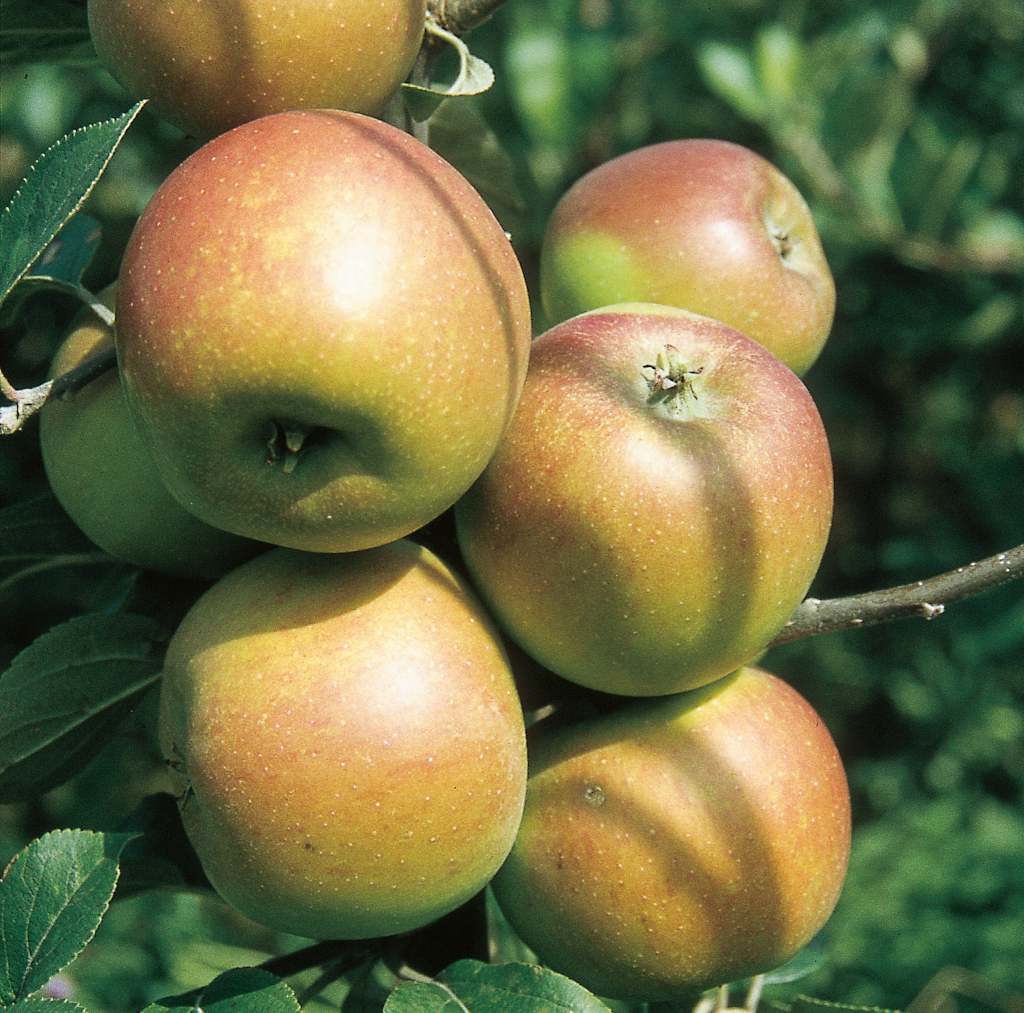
679 843
209 65
104 478
706 225
659 505
322 331
348 742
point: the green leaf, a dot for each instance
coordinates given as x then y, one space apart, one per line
34 31
161 857
469 986
70 253
42 1005
779 57
728 72
807 1004
240 990
59 267
54 189
460 134
34 532
475 76
52 898
810 959
538 66
64 692
366 994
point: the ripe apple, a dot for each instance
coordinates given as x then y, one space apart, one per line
706 225
323 331
659 505
679 843
104 478
347 738
209 65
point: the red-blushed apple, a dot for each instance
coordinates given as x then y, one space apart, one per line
104 478
659 505
347 738
209 65
706 225
679 843
322 331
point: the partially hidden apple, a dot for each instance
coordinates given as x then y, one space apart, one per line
322 330
347 741
209 65
659 505
706 225
679 843
103 476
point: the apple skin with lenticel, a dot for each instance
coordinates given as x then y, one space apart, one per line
102 474
322 331
347 741
659 505
706 225
679 843
209 65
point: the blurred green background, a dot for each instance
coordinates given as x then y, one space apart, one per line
903 125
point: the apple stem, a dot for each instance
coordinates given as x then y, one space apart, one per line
719 1002
285 444
754 993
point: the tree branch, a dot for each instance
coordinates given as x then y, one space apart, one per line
462 16
925 599
26 402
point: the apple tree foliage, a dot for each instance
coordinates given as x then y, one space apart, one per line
902 122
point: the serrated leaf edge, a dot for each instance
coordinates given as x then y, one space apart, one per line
124 694
54 924
129 118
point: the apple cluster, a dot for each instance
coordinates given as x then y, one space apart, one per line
324 346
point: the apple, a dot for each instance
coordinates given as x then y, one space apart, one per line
348 744
209 65
659 505
322 330
104 478
679 843
705 225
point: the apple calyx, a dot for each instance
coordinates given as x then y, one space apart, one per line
287 440
671 379
783 243
780 231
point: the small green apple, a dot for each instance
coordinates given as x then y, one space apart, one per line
679 843
209 65
659 505
322 330
705 225
104 478
347 738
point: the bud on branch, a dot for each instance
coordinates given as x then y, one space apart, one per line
25 403
462 16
